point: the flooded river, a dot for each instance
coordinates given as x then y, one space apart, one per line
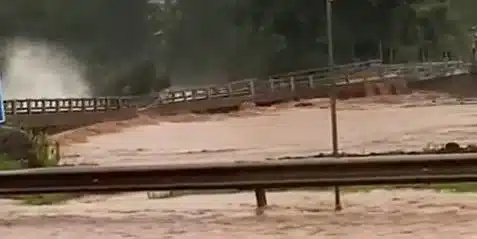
257 134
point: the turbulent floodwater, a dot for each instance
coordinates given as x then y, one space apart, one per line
256 134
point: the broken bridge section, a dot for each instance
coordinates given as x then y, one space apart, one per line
359 79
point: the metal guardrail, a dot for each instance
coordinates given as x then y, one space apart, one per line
258 176
44 106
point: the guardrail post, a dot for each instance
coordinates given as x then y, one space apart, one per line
311 83
261 197
83 104
43 106
252 87
13 106
57 105
381 72
229 89
95 104
29 106
70 105
209 93
120 103
432 70
105 103
292 84
272 84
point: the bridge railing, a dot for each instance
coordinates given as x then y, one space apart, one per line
299 80
42 106
427 70
282 82
341 74
350 67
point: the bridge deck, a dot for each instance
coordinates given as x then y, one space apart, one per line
353 80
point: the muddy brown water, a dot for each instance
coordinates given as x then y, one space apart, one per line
365 125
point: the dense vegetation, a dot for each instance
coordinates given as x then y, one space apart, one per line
198 41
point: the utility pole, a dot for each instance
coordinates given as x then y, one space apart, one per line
333 92
473 60
380 49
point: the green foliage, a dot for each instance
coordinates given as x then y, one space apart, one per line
47 153
191 42
46 199
446 187
7 163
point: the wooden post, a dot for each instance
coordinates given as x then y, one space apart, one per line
261 197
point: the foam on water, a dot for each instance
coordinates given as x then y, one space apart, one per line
36 69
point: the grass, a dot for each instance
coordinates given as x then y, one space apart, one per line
456 187
443 187
47 155
448 187
45 199
6 163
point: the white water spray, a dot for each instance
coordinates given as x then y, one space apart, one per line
42 70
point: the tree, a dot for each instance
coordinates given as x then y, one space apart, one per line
190 42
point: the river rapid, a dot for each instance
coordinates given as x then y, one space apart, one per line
254 134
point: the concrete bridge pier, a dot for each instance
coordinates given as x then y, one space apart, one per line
397 86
